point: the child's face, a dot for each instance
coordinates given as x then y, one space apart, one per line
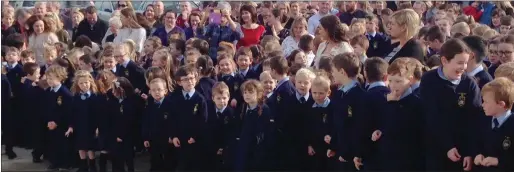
188 82
158 90
148 48
36 75
370 26
444 25
505 52
268 83
435 44
319 94
492 107
191 59
504 29
454 68
302 84
12 57
52 80
84 84
157 62
244 62
496 21
109 63
398 84
50 56
8 19
84 66
27 60
358 50
266 68
221 100
250 97
339 75
493 54
225 66
300 58
173 49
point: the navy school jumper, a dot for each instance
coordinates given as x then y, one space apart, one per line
497 142
204 87
222 133
319 124
84 114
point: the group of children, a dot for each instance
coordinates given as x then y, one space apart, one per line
242 113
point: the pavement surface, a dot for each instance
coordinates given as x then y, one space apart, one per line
24 162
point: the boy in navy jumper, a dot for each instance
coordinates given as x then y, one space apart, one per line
348 98
505 49
451 102
244 62
435 38
189 122
128 68
399 134
14 74
31 94
419 69
494 56
375 72
155 119
475 64
505 70
8 130
318 124
379 45
496 151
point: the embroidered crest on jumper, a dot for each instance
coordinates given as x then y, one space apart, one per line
121 108
126 72
324 118
506 143
350 111
59 100
165 115
225 120
195 109
462 99
279 98
236 86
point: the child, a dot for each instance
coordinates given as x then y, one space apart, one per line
105 95
292 72
505 24
128 68
360 44
189 121
109 62
223 131
269 84
306 44
505 49
244 61
227 68
50 54
435 39
206 74
266 65
419 70
122 110
475 64
256 122
163 60
8 131
83 123
86 62
449 96
348 97
378 42
14 73
151 44
155 121
496 151
506 70
178 49
27 56
319 124
375 72
31 94
399 135
297 57
192 56
494 56
57 104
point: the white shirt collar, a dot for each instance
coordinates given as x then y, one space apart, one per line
190 93
324 105
221 110
306 96
479 68
56 88
501 119
269 95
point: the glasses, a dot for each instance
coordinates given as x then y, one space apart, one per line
505 53
493 52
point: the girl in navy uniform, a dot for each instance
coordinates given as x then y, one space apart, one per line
104 118
155 120
83 116
123 109
495 150
227 74
189 123
57 110
256 130
86 62
206 73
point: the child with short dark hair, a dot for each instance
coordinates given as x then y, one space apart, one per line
435 39
452 97
379 44
496 150
244 62
506 23
306 44
178 49
86 62
475 64
506 46
27 56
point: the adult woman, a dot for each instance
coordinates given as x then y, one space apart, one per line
170 26
114 26
274 26
195 28
252 31
131 29
332 31
39 36
226 31
21 16
76 18
153 19
56 26
124 4
403 25
298 29
141 20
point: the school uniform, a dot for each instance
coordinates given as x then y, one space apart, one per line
155 121
318 124
379 45
189 121
134 73
415 88
14 74
451 111
253 153
32 94
375 105
480 75
496 136
401 143
348 107
249 74
84 124
57 104
42 69
8 130
492 69
431 52
234 82
222 128
204 87
123 118
105 117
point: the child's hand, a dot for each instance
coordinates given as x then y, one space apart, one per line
96 132
137 91
393 96
327 139
453 154
176 142
479 159
23 79
144 96
51 125
147 144
490 161
220 151
70 130
376 135
119 140
341 159
191 140
330 153
310 151
233 103
467 163
358 162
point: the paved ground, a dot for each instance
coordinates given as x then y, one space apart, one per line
24 162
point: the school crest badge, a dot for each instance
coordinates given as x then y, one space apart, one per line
279 98
195 109
59 100
225 120
506 143
375 45
165 115
126 72
236 86
462 99
324 118
350 112
121 108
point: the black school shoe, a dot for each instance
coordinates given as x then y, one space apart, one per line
52 168
36 159
11 155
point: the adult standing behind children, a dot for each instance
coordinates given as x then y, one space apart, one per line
404 25
335 35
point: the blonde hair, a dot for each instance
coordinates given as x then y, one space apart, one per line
115 21
409 19
57 70
130 46
298 21
53 18
489 34
304 72
75 88
74 55
159 80
462 28
265 74
322 81
480 29
501 88
50 50
505 70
